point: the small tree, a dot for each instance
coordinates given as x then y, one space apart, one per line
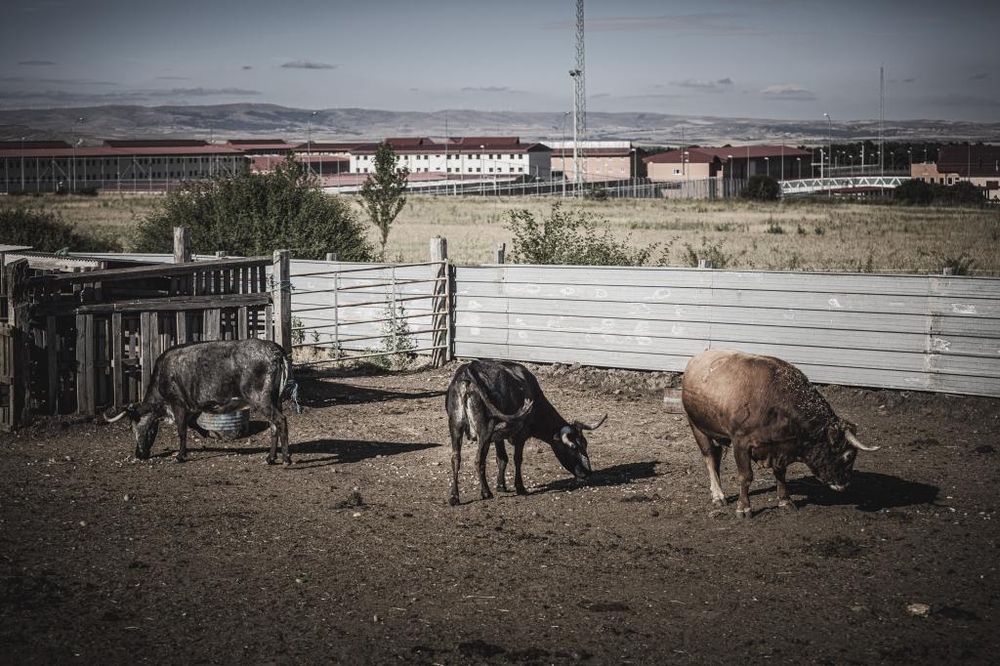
382 194
761 187
257 213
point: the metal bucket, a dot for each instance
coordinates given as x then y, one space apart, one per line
230 425
672 401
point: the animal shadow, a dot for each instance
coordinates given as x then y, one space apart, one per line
869 491
331 451
616 475
317 394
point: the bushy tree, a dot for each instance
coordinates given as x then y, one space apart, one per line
761 187
569 239
382 193
914 191
962 193
44 232
254 214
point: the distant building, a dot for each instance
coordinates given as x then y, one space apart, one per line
729 162
133 165
502 158
599 161
978 164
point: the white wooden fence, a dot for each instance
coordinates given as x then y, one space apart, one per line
931 333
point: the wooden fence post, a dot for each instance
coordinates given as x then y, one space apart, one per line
182 245
442 304
85 364
499 253
281 297
18 362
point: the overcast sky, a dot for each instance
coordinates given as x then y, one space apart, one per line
780 59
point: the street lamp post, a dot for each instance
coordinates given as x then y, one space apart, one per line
829 138
22 164
799 161
573 74
729 169
767 165
76 142
562 151
482 167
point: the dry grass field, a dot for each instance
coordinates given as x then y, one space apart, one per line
792 235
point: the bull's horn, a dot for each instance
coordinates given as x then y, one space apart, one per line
564 435
584 426
112 419
856 443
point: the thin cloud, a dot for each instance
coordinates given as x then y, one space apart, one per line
173 78
307 64
717 24
979 76
24 80
57 97
490 89
202 92
247 67
36 63
966 101
788 91
706 86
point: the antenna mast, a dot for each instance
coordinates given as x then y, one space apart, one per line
579 100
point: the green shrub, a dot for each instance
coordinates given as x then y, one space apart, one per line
254 214
569 239
761 187
914 191
712 252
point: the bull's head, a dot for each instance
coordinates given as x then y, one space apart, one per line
145 424
832 460
570 447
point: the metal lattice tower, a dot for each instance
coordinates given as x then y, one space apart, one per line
579 100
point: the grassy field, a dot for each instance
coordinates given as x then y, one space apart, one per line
806 235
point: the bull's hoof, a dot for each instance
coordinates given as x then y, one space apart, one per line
270 460
486 494
787 504
743 513
453 500
521 490
179 458
719 501
287 460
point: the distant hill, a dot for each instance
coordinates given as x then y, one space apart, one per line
258 121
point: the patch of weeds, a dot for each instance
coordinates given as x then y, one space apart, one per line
396 348
800 230
774 228
819 230
712 252
960 265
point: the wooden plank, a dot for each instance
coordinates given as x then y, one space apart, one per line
52 349
281 300
243 323
117 363
212 327
148 333
142 272
165 304
85 364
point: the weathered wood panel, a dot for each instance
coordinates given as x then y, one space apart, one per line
910 331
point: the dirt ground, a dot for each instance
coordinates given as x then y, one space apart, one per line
352 555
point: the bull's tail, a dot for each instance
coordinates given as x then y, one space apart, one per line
289 387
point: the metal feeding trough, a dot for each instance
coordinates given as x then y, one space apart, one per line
230 425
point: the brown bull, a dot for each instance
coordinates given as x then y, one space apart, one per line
769 412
